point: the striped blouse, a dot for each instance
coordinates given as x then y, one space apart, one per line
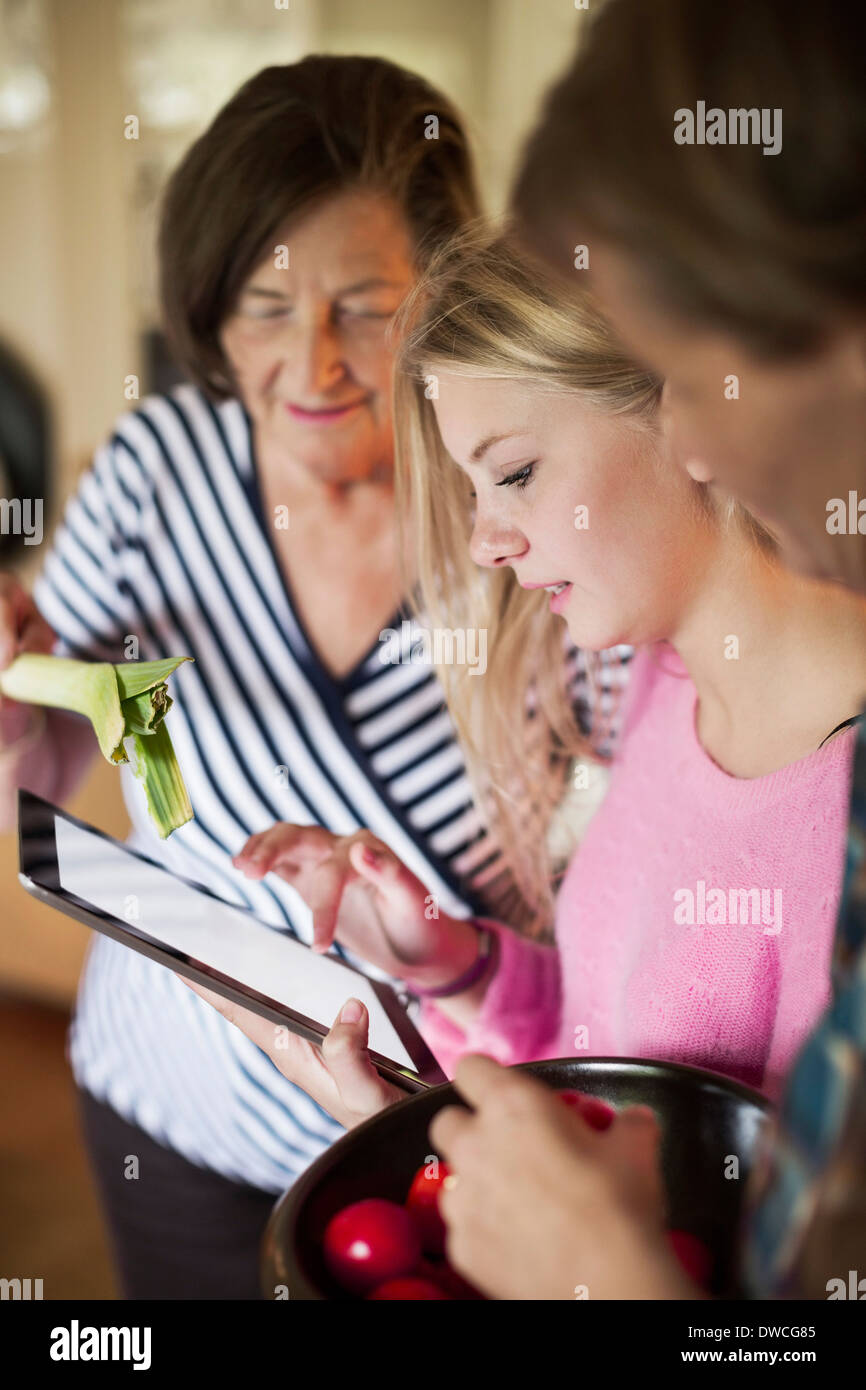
165 541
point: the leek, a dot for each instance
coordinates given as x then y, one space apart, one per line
129 700
156 766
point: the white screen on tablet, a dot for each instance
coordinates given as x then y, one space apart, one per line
221 937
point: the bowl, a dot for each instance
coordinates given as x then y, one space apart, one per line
710 1126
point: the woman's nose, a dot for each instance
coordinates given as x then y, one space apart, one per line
676 435
314 357
493 545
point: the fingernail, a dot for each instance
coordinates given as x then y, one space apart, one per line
351 1011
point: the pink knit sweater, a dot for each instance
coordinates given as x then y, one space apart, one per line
695 922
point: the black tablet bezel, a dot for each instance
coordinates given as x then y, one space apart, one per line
39 874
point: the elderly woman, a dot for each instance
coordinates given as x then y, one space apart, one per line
247 519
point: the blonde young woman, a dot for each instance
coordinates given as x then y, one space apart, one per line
695 921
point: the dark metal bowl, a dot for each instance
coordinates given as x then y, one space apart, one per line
707 1120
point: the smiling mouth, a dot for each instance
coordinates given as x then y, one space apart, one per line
322 414
548 588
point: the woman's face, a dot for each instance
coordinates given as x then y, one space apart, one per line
307 337
567 494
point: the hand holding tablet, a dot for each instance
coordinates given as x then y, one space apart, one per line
267 976
339 1075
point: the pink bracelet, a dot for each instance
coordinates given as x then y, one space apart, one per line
488 952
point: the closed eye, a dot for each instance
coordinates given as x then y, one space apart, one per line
518 479
253 311
344 311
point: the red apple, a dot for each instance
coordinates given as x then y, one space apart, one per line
371 1242
423 1205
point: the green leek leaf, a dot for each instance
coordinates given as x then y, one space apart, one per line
129 699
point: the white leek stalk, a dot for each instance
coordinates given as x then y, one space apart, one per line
129 700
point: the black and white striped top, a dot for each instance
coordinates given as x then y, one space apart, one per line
165 541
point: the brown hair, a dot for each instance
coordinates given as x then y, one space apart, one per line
288 138
768 246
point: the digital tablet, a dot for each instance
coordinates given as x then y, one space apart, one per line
87 875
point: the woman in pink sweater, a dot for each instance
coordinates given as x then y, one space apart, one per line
694 922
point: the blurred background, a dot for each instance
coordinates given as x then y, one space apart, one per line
79 319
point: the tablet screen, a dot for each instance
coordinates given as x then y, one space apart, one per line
201 929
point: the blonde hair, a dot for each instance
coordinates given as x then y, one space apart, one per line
485 309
